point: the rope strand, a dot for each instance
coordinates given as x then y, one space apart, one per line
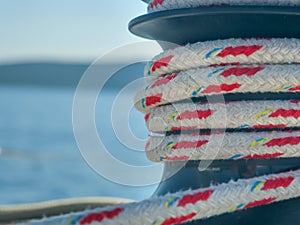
225 52
229 115
211 81
232 146
160 5
192 204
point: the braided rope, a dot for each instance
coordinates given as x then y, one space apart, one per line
232 115
219 67
221 80
192 204
160 5
220 52
252 145
227 197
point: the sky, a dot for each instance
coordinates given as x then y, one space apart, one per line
64 30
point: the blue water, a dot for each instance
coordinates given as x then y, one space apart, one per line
41 160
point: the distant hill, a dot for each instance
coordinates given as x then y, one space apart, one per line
60 75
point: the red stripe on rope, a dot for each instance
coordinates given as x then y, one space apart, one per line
220 88
99 217
164 80
194 198
177 158
295 101
190 144
179 220
240 50
277 183
198 114
295 88
264 156
286 113
269 126
152 100
147 117
162 62
283 141
156 2
240 71
259 203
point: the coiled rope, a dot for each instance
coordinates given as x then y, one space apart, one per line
252 145
206 69
192 204
160 5
227 197
244 114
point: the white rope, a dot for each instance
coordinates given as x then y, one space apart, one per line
231 115
226 197
209 81
197 70
215 200
192 204
229 51
222 146
160 5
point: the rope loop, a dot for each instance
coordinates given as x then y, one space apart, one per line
161 5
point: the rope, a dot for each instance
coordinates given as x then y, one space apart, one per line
51 208
252 145
232 115
206 69
192 204
212 68
224 52
160 5
211 81
226 197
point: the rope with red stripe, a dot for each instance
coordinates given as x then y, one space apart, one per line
229 197
160 5
224 52
252 145
210 81
166 100
231 115
192 204
209 69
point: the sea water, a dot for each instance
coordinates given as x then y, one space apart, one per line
40 160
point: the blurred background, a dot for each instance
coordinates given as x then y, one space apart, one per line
45 48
